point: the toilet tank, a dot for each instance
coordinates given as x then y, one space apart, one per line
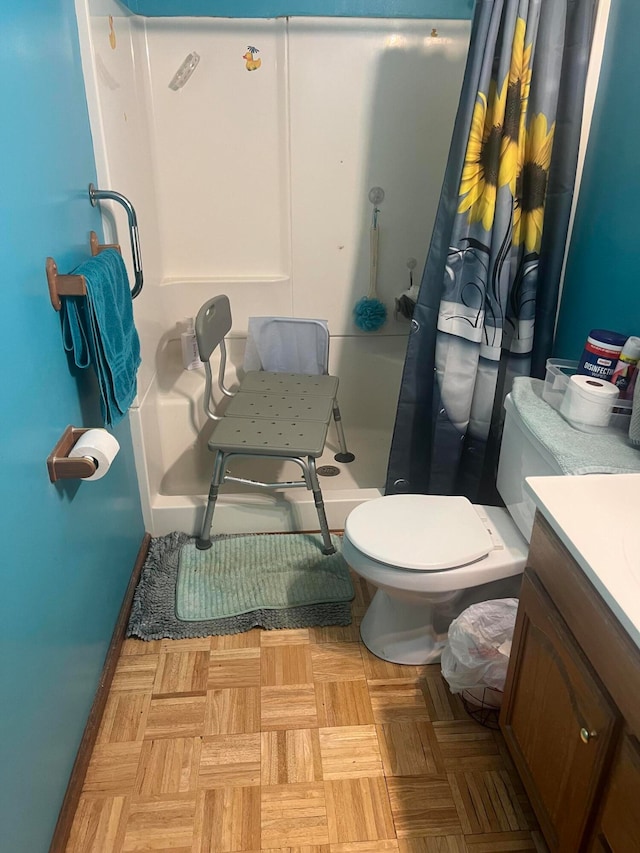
521 455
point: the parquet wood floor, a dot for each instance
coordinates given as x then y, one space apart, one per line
294 741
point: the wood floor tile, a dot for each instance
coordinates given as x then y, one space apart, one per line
230 761
398 701
423 805
336 633
227 820
192 644
135 672
337 662
359 810
132 646
98 825
441 703
304 848
235 710
466 745
290 757
499 842
288 707
124 717
409 749
377 669
486 802
343 703
433 844
178 716
168 766
386 845
284 637
112 768
246 640
350 752
182 672
161 825
234 668
286 665
293 815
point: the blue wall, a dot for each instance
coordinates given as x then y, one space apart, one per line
602 283
67 551
452 9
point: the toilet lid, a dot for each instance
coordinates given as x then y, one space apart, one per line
419 532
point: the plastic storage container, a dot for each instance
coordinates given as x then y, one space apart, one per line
557 378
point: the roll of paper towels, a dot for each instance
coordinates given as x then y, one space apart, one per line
99 445
588 402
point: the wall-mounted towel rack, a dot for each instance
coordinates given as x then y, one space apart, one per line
72 285
96 195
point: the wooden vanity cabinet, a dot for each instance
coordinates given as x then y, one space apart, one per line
572 705
618 825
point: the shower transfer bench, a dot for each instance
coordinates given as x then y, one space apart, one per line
282 415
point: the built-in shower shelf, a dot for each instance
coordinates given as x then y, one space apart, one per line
222 281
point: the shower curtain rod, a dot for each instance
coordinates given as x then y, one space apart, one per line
96 195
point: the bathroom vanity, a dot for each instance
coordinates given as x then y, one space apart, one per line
571 710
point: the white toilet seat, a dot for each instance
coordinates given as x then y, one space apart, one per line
506 557
423 533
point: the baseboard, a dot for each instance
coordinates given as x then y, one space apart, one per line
79 771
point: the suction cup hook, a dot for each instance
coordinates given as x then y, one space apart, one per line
376 195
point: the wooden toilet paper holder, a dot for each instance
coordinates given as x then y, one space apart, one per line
61 467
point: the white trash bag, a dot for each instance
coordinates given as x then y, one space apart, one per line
477 651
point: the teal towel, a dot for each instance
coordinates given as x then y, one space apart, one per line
576 452
99 329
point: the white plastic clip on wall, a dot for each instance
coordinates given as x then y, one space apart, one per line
184 72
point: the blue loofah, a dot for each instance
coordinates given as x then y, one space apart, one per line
369 314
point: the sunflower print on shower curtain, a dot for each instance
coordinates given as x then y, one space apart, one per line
479 183
497 147
531 184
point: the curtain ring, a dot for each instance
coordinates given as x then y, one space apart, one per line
401 485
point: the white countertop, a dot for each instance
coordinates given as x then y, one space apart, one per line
597 518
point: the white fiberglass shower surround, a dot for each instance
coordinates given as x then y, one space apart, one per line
255 183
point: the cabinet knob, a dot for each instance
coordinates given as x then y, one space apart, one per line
586 735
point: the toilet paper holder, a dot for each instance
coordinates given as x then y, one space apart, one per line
61 467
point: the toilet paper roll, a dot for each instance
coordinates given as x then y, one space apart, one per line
97 444
588 402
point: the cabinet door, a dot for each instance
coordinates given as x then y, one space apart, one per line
619 825
556 718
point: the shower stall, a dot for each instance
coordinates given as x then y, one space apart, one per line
256 185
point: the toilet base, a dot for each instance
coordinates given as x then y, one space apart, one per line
414 629
400 632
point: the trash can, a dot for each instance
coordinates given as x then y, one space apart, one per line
476 656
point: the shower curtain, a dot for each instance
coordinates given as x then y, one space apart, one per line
487 303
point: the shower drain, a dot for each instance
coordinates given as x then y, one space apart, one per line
328 471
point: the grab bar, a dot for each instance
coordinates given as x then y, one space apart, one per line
95 195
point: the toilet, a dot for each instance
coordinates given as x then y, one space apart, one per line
432 556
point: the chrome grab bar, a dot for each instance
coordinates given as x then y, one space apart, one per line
95 195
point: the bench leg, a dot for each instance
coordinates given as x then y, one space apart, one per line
322 516
344 455
203 543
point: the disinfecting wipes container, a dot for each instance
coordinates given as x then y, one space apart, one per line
601 353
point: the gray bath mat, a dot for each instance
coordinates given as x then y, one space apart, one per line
242 582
